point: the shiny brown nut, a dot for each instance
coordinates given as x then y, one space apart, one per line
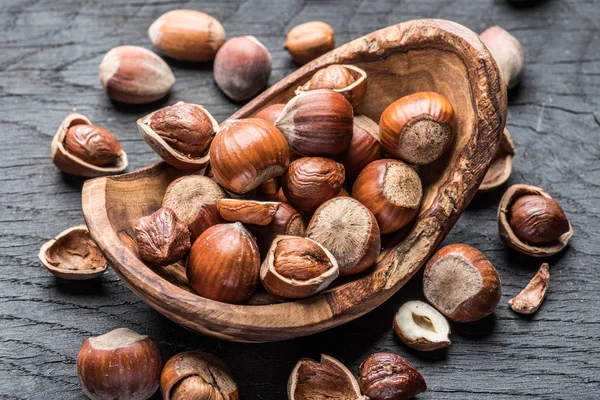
317 123
132 74
187 35
248 211
421 327
349 231
307 41
418 128
93 144
196 375
538 219
267 191
311 181
348 80
224 263
270 113
120 364
194 199
392 191
508 53
364 148
387 376
286 221
529 300
242 67
247 153
161 238
297 267
461 283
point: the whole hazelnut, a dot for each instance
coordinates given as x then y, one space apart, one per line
242 67
132 74
286 221
187 35
270 113
120 364
538 219
508 53
317 123
307 41
392 191
461 283
387 376
161 238
224 263
348 80
364 148
93 144
267 191
418 128
310 181
247 153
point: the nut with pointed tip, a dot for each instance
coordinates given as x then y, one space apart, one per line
270 113
187 35
73 255
531 222
247 153
132 74
224 263
392 191
461 283
297 267
242 67
348 80
327 379
194 199
508 53
364 148
349 231
307 41
248 211
161 238
421 326
501 166
387 376
197 375
531 297
317 123
120 364
418 128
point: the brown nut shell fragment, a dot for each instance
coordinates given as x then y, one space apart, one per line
73 255
161 238
501 166
421 327
512 239
247 211
197 375
348 80
531 297
387 376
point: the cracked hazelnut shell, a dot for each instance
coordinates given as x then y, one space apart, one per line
348 80
387 376
161 238
364 148
248 211
529 300
501 165
421 327
307 41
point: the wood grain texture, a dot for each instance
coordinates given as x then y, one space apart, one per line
50 52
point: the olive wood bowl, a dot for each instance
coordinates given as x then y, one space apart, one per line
420 55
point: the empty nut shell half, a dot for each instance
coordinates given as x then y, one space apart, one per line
501 166
179 122
421 326
348 80
73 255
507 233
197 375
74 165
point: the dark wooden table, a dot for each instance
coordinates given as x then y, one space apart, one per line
49 57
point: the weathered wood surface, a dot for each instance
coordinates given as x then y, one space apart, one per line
49 54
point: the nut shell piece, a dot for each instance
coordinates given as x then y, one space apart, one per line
307 41
501 165
248 211
348 80
529 300
70 163
387 376
73 255
421 327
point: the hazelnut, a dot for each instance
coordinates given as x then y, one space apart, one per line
161 238
421 327
73 255
387 376
242 67
317 123
307 41
531 297
531 222
348 80
508 53
270 113
461 283
310 181
247 153
392 191
297 267
418 128
197 375
349 231
132 74
194 199
364 148
328 379
187 35
120 364
286 221
501 165
247 211
267 191
223 264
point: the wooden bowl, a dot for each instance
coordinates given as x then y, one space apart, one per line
421 55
